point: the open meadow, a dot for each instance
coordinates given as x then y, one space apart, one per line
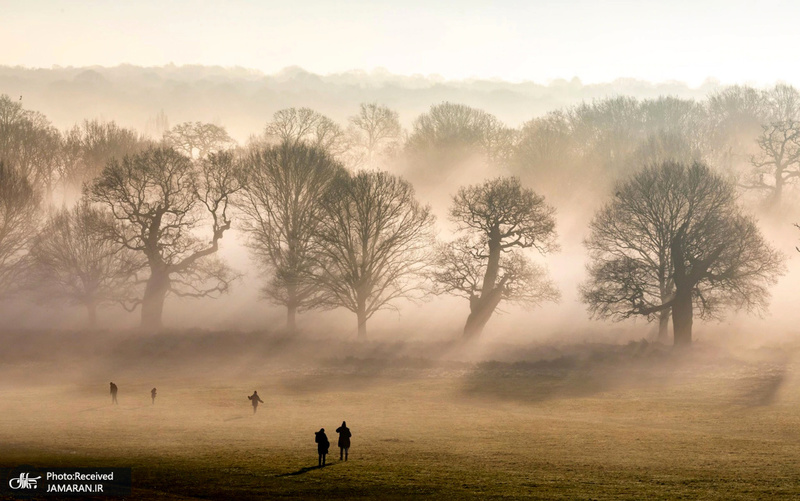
636 421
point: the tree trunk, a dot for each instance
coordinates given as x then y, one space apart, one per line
476 321
682 318
481 310
663 326
91 314
291 308
777 194
153 302
291 318
492 265
362 324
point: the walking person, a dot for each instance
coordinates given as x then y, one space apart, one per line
322 445
344 440
255 399
153 395
113 393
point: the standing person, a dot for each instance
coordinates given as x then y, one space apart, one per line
322 445
255 399
153 395
113 393
344 440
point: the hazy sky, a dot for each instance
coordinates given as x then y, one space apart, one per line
539 40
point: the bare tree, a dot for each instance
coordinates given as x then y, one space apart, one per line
545 151
29 143
375 130
19 215
783 103
89 146
778 162
304 125
631 273
733 121
661 147
461 268
159 200
457 126
497 220
374 243
282 187
72 261
197 140
674 238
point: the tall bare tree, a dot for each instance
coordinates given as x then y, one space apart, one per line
457 126
778 162
733 120
197 140
675 238
374 243
375 130
90 145
282 187
30 144
497 220
304 125
545 151
19 217
72 261
159 200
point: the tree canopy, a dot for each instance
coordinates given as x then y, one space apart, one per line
497 220
675 238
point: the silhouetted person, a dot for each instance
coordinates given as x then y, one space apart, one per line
255 399
344 440
153 395
322 445
113 393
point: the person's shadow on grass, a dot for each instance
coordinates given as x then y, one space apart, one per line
305 470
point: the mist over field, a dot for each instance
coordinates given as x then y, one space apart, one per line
541 251
243 101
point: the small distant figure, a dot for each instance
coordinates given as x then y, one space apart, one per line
322 445
113 393
344 440
255 399
153 395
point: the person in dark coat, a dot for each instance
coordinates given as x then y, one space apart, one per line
153 395
344 440
113 393
322 445
255 399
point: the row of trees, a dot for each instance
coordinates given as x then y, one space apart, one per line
672 239
751 135
151 219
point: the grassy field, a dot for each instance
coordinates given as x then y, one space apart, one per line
604 423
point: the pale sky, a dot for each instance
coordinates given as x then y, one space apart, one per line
733 41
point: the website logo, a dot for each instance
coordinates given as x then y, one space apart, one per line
25 481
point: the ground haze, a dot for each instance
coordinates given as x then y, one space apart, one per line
639 421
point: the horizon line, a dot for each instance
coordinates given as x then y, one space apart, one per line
435 77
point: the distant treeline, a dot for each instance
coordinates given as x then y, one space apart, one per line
241 99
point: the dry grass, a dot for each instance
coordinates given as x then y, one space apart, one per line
618 426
